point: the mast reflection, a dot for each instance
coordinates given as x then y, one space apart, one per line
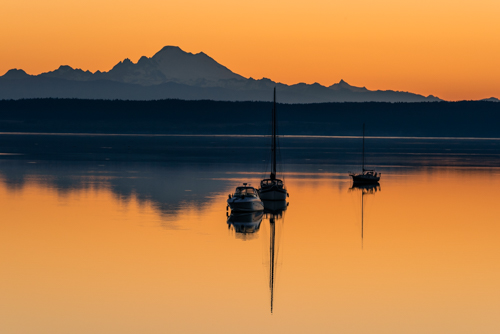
246 225
365 189
275 212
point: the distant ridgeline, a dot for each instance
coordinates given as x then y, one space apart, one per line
440 119
174 74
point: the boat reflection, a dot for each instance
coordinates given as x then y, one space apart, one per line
275 207
245 224
365 189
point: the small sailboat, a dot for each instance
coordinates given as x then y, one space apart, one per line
367 176
245 199
273 189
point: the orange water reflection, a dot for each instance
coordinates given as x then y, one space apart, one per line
86 261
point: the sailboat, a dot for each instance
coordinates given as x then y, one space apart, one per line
367 176
273 189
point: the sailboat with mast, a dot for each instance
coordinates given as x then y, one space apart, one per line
273 189
367 176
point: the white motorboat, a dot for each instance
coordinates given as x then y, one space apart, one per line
245 198
367 176
273 189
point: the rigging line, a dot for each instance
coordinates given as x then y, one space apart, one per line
280 157
267 160
269 153
282 165
271 141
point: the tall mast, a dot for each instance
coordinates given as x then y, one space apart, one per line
363 147
273 166
271 260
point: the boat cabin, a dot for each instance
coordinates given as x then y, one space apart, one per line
270 182
245 191
370 172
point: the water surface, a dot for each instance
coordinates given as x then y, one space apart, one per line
98 239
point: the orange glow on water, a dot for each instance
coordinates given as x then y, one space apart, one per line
84 261
445 48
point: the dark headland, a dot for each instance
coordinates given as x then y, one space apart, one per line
426 119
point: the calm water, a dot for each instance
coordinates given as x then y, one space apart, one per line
107 234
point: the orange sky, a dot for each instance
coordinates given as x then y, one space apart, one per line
446 48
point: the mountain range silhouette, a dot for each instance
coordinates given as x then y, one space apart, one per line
174 73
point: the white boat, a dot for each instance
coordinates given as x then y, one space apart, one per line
245 199
367 176
273 189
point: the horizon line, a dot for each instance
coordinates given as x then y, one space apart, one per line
239 136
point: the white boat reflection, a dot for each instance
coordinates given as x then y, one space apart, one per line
245 224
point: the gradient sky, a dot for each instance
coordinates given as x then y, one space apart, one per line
446 48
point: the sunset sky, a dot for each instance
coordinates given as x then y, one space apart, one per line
450 49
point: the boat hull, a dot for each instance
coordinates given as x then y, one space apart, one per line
243 205
365 179
273 193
